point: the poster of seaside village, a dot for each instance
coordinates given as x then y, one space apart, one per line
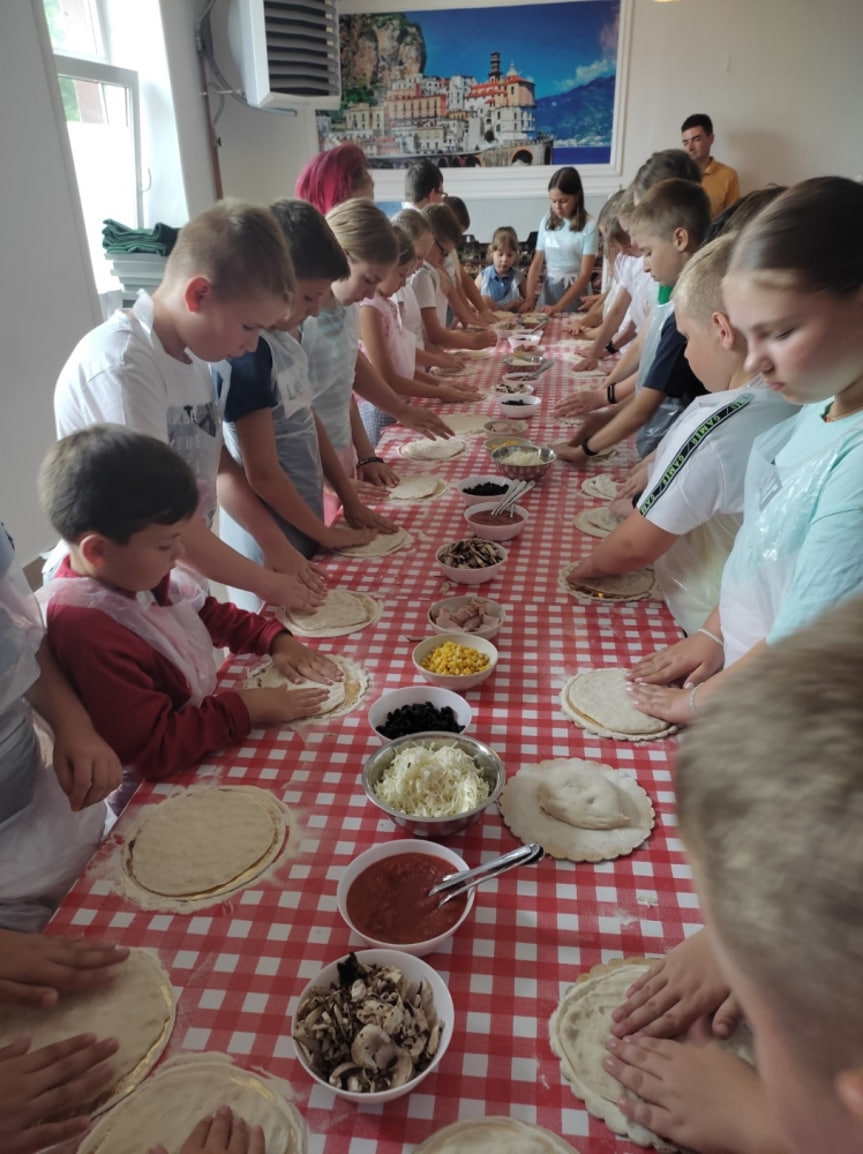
479 87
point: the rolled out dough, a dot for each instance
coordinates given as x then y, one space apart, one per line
596 700
137 1009
427 450
494 1135
380 546
168 1106
344 611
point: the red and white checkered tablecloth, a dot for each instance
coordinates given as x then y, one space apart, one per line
239 966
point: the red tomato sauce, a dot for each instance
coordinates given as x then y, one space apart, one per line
389 901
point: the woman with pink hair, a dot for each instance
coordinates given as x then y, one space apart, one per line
335 176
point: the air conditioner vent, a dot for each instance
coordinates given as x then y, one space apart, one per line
287 52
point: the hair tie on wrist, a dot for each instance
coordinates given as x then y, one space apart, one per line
586 449
713 636
611 395
370 461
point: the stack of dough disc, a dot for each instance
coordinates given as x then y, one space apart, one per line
633 586
201 844
137 1009
494 1135
579 1029
418 487
474 354
597 701
166 1109
578 810
380 546
601 485
342 696
344 611
597 521
427 450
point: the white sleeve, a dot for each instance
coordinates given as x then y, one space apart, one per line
123 392
425 289
684 490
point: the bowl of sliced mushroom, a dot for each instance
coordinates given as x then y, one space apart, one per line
371 1026
471 561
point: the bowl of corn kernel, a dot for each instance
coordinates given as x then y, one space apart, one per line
455 660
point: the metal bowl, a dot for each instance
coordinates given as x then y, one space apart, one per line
536 472
490 766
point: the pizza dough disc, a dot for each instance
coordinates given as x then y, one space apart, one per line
474 354
204 842
427 450
137 1009
579 1029
418 487
344 695
168 1106
380 546
577 810
465 424
601 485
633 586
344 611
597 701
597 521
494 1135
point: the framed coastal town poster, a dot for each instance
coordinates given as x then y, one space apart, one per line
500 93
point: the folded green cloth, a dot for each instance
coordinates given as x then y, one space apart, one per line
119 238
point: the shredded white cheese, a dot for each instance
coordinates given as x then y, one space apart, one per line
425 782
524 457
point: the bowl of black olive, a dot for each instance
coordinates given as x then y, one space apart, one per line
483 487
419 709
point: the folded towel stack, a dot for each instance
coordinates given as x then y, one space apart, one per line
119 238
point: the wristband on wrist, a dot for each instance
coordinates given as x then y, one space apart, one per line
713 636
370 461
586 449
609 348
610 394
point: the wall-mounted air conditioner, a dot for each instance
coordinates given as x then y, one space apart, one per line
287 52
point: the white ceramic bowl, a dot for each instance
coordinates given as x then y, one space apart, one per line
488 763
415 970
523 337
417 694
518 387
377 853
471 576
453 603
526 407
496 532
479 479
453 681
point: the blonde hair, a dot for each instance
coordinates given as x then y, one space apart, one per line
698 292
504 239
239 248
770 803
405 241
364 232
414 221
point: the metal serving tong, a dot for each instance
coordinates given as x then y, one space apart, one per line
453 885
516 490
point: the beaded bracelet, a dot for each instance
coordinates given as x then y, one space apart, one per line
370 461
693 708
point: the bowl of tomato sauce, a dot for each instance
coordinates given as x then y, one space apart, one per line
383 896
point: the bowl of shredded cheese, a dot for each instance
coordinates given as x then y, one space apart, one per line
433 784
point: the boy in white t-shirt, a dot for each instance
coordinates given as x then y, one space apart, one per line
148 368
688 516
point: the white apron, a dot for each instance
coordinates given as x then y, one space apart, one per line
330 341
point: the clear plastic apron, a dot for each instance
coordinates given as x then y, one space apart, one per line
777 512
689 574
559 273
175 630
330 342
296 446
670 408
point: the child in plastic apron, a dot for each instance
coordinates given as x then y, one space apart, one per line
567 244
43 844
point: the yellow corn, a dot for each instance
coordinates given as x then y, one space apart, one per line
455 660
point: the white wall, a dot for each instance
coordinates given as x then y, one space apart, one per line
47 295
781 78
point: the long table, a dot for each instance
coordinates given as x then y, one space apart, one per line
238 967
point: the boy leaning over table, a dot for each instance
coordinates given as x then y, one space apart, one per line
668 226
690 510
769 800
133 631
